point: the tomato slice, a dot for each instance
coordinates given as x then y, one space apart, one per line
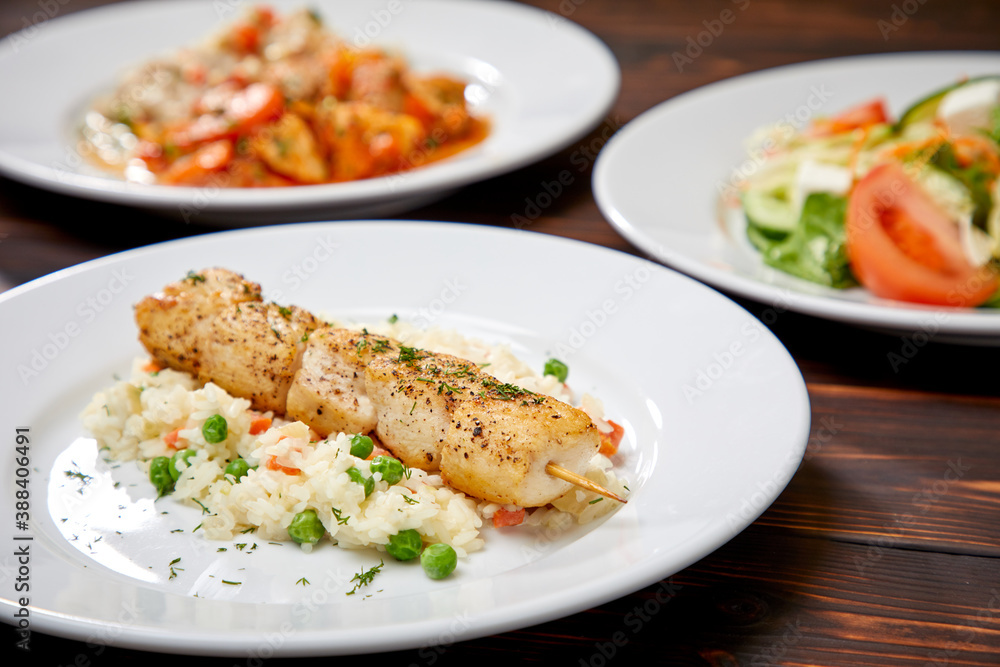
902 246
858 117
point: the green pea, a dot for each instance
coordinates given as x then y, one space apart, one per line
238 468
182 455
438 560
215 429
557 368
390 468
306 528
361 446
405 545
359 477
159 475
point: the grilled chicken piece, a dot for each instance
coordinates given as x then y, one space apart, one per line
215 326
328 391
254 349
489 439
433 411
174 324
497 448
414 394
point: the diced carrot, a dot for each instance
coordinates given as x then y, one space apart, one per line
611 441
504 517
152 366
194 168
171 439
271 463
259 424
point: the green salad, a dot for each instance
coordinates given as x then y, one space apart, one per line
907 208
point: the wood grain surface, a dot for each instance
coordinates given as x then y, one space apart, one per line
884 549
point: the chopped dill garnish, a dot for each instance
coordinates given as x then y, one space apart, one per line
251 529
303 581
285 312
195 278
393 318
241 546
84 479
446 388
409 500
177 530
175 570
220 549
232 583
408 355
596 500
341 520
507 391
364 578
204 510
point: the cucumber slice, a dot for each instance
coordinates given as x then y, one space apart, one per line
926 109
769 212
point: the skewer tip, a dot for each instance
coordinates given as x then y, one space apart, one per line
581 481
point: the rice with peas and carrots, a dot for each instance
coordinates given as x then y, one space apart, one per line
157 412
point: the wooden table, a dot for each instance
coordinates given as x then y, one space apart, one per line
885 547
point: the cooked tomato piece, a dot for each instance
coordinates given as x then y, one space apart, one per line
902 246
195 168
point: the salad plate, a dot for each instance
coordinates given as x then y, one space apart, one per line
715 412
660 181
540 80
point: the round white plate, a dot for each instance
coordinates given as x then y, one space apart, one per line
715 413
542 80
658 181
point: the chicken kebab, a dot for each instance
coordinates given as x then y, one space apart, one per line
436 412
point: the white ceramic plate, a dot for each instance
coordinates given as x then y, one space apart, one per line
542 80
715 412
658 181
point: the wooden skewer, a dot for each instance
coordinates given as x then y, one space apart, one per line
581 481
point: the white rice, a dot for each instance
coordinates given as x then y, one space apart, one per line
131 418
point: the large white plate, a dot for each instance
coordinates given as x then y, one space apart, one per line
658 181
715 412
542 80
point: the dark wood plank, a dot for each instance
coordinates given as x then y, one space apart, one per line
898 469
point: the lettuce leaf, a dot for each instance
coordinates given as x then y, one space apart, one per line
815 249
